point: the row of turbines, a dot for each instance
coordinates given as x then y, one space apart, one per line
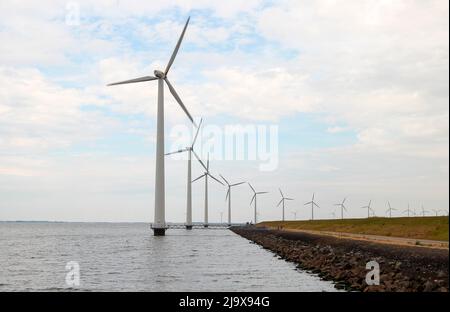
159 225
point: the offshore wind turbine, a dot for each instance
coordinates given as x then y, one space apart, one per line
313 203
228 196
341 205
369 209
205 175
255 193
190 151
159 225
282 201
390 209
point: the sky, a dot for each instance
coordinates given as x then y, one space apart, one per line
356 92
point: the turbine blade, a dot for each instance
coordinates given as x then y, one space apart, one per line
215 178
177 152
281 192
142 79
262 192
316 205
280 202
235 184
252 199
196 134
224 180
251 187
228 193
198 178
175 51
177 98
287 198
308 203
199 160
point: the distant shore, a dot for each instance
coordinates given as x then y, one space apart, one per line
402 268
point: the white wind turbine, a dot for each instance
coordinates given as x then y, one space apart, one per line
390 209
282 201
341 205
159 225
369 209
436 211
190 151
255 193
313 203
205 175
228 196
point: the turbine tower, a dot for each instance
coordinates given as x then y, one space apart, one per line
369 209
228 196
424 211
390 209
255 193
282 201
205 175
190 151
341 205
159 225
313 203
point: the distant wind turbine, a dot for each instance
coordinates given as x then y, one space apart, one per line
369 209
282 202
334 214
159 225
424 211
255 193
408 211
313 203
390 209
436 211
295 214
190 151
205 175
228 196
341 205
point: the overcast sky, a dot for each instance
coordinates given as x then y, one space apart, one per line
357 88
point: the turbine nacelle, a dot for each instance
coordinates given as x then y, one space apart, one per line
159 74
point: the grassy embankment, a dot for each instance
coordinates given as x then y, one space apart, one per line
432 228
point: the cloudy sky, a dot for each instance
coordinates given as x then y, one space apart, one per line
357 88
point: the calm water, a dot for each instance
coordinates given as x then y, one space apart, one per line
126 257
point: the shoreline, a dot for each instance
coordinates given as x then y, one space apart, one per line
343 261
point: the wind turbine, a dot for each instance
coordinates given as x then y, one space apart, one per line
295 214
408 211
228 196
254 199
341 205
390 209
424 211
282 201
205 175
313 203
436 212
368 208
159 225
190 151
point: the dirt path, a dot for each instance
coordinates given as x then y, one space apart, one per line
380 239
